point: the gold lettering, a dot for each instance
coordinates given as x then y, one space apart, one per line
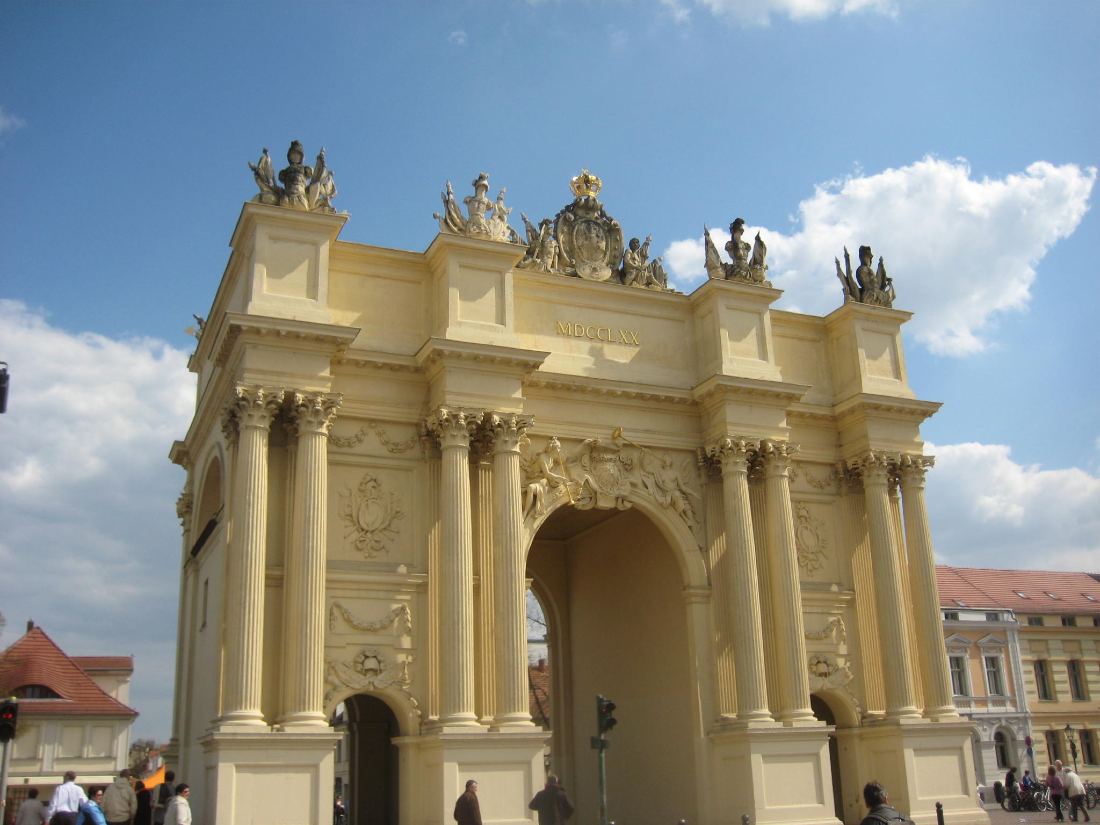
593 332
588 331
564 328
603 329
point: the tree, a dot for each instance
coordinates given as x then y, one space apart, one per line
142 752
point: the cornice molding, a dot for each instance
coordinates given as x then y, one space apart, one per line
608 388
335 338
438 351
729 387
863 404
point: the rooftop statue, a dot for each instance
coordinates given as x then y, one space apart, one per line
583 241
742 266
865 285
483 219
310 189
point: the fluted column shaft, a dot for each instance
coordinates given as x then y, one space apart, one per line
509 580
787 624
453 429
741 583
935 675
716 537
304 636
889 597
251 411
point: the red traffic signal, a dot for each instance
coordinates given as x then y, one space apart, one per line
604 710
9 718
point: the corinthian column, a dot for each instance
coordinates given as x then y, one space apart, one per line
741 583
249 417
935 676
509 581
786 591
456 651
304 610
890 602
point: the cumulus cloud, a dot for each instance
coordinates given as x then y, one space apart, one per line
941 231
761 12
10 122
990 511
457 37
87 495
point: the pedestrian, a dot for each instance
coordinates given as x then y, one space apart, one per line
1028 782
467 809
339 812
32 811
879 811
144 815
1010 782
179 809
1057 791
552 804
119 800
65 802
90 811
163 797
1075 793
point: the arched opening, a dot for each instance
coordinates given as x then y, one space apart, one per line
825 713
1003 750
371 792
611 584
209 505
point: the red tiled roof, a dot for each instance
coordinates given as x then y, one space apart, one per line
36 660
1043 591
538 691
90 663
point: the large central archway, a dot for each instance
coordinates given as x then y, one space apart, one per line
618 625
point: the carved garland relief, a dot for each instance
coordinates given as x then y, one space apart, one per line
368 670
810 539
394 447
370 516
400 618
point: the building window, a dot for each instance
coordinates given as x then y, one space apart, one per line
1088 746
1042 680
1069 621
951 615
1054 745
1035 621
992 617
1000 747
1076 680
958 675
205 601
994 681
1096 621
34 692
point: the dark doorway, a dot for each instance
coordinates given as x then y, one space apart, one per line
372 762
824 713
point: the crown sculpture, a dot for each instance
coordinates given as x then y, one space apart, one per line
310 189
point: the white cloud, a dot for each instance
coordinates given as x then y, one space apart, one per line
457 38
989 511
87 495
677 10
760 12
960 249
10 122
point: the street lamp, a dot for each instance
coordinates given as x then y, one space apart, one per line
1072 746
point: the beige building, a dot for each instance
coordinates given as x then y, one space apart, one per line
389 445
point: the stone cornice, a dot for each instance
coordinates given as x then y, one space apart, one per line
732 388
378 360
446 244
865 405
607 388
180 454
439 351
756 293
867 312
251 212
331 337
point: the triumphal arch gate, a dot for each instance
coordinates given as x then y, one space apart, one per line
719 505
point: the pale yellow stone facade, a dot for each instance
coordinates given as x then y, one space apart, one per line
729 535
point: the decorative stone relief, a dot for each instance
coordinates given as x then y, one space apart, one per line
370 515
865 285
394 447
483 219
604 473
828 671
400 619
742 267
810 539
309 188
369 670
834 629
183 507
799 471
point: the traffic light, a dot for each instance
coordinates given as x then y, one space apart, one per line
604 708
9 716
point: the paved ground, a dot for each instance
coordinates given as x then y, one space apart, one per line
999 816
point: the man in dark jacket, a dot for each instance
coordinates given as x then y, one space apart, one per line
552 804
879 811
467 809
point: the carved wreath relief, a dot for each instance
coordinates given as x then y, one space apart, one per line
368 670
810 539
370 515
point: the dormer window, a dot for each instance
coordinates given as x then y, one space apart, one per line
34 692
1021 594
1053 596
959 602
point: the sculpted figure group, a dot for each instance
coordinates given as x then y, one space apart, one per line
309 188
741 267
483 218
866 285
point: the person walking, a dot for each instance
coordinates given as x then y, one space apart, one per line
552 804
879 811
467 808
1075 793
119 800
66 800
179 809
32 811
1057 791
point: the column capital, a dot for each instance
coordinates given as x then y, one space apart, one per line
876 466
506 431
454 427
313 412
734 453
183 507
251 407
776 456
912 469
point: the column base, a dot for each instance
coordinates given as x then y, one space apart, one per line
306 719
519 721
242 720
507 765
775 775
265 776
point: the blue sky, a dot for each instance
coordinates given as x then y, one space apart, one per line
960 140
